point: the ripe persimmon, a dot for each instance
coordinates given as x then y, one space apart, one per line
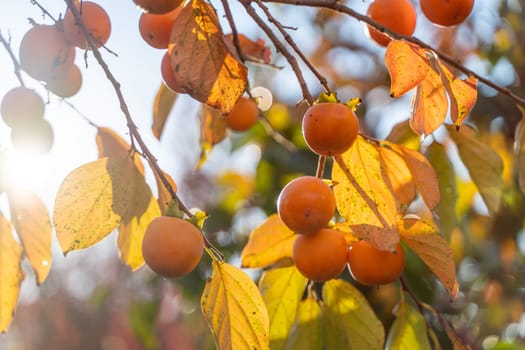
330 129
446 13
67 83
172 247
306 204
44 52
158 7
156 29
35 138
369 265
243 115
396 15
168 76
321 256
21 106
96 20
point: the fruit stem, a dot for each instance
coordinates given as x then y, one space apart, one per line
321 161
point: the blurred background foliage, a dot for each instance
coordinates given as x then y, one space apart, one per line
92 301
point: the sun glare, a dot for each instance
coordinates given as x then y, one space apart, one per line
27 171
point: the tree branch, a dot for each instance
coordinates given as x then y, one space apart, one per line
16 64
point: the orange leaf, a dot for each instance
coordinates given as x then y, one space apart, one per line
164 101
203 65
399 175
213 131
111 144
462 94
31 221
11 274
429 104
407 65
424 239
268 244
253 50
364 197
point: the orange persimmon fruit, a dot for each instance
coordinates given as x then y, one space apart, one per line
158 7
95 18
67 83
397 15
243 115
168 76
446 13
21 106
156 29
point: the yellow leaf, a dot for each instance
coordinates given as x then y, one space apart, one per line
132 231
424 239
519 151
162 105
483 163
281 290
164 196
307 331
235 310
91 201
364 197
462 93
31 221
350 323
269 243
429 104
407 64
110 144
213 131
11 274
399 175
202 63
409 330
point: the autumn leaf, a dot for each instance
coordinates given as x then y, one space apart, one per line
425 240
162 105
457 342
363 197
234 309
402 134
350 323
110 144
483 163
31 220
462 93
203 65
91 201
307 330
164 196
268 244
399 175
409 330
429 104
11 274
213 131
519 151
400 55
253 50
281 290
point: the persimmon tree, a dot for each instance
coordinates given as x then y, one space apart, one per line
369 240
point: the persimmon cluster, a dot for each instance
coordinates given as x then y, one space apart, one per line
307 204
400 15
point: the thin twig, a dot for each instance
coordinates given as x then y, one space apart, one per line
336 6
280 139
281 48
235 33
16 64
82 115
42 8
293 45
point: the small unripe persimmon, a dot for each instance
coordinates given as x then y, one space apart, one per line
96 20
21 106
397 15
67 83
156 29
446 13
370 266
172 247
243 115
158 7
306 204
330 129
322 255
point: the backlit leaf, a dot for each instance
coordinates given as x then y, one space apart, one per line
399 175
402 134
91 201
519 151
400 55
269 243
110 144
281 290
457 342
409 330
424 239
164 196
162 105
202 62
307 331
132 228
363 196
253 50
234 310
429 104
213 131
483 163
31 220
350 323
462 93
11 274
